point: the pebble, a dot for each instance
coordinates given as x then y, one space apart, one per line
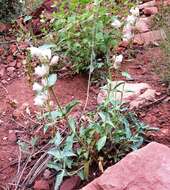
10 69
18 65
1 51
41 185
150 11
12 64
4 82
71 183
47 174
2 72
12 138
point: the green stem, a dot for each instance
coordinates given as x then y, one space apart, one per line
58 103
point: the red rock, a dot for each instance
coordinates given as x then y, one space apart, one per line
12 64
124 44
1 51
9 58
149 37
71 183
145 169
141 26
165 2
13 48
41 185
2 71
119 49
10 70
4 82
47 174
150 11
19 64
147 4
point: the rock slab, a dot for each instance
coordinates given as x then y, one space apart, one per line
135 94
145 169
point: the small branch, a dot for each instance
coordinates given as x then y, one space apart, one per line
153 103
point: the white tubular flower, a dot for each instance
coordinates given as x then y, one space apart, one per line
40 53
128 36
127 28
134 11
54 60
37 87
46 53
118 60
116 23
131 19
42 70
39 100
44 82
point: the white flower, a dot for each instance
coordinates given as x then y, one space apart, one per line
44 82
42 70
134 11
39 100
118 60
37 87
40 52
54 60
116 23
127 28
131 19
128 36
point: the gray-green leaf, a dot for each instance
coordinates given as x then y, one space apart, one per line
52 80
101 142
59 179
72 124
57 139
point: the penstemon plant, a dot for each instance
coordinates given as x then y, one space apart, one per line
109 132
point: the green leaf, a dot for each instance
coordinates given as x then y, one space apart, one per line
59 179
69 142
101 142
52 80
86 169
46 127
70 106
56 153
68 163
137 143
24 146
127 128
81 174
103 116
55 166
56 114
72 124
57 139
47 46
68 153
27 18
127 75
34 141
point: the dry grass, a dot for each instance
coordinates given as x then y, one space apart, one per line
162 20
